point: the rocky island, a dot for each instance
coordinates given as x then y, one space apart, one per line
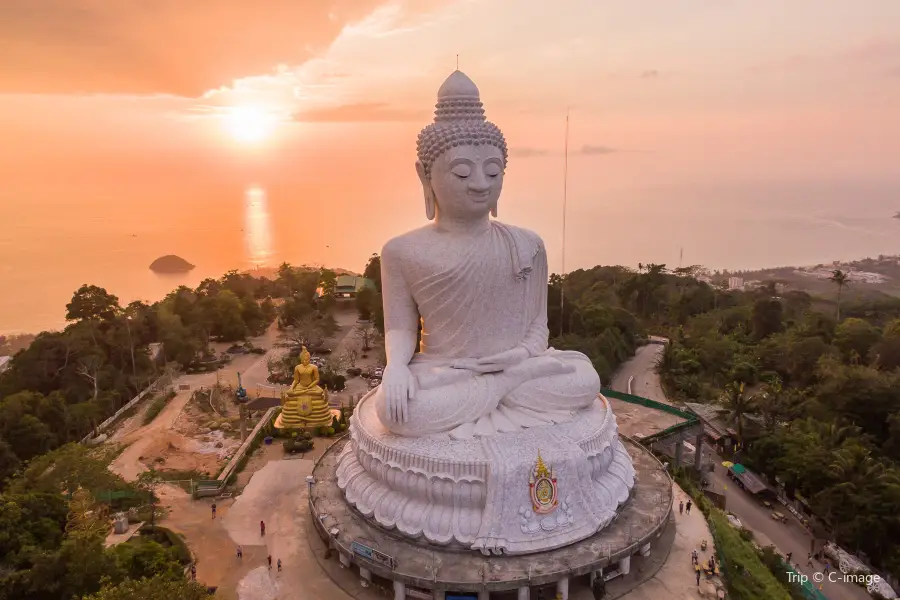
170 264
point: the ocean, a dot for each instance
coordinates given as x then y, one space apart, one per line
49 249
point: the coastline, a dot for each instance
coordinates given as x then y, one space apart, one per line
164 283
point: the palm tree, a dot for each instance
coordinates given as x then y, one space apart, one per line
841 280
738 406
769 402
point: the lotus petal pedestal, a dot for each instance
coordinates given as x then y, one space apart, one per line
511 493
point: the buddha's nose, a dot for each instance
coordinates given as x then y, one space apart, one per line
478 183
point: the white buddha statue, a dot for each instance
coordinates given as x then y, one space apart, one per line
480 289
486 438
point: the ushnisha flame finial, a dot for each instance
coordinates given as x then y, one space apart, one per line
458 120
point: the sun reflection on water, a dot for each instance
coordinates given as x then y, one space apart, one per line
257 226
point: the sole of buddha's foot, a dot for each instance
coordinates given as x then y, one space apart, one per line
539 366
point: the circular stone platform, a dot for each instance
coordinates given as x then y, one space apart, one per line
432 567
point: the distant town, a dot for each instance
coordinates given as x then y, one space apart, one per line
873 275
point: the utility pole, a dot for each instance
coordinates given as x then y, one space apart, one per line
562 286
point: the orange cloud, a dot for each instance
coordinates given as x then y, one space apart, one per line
179 47
361 112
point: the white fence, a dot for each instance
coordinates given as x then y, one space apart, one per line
131 404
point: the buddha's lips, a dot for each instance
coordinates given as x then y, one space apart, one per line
480 195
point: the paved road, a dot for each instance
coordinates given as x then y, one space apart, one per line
642 368
791 537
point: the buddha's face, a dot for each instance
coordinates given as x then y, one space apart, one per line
304 359
467 180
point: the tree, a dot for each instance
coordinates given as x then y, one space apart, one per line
9 463
310 331
327 281
365 303
856 337
91 302
766 318
887 351
366 335
738 406
228 321
841 280
178 343
152 589
373 271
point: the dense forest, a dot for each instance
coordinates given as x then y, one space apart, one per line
821 375
825 395
811 384
60 385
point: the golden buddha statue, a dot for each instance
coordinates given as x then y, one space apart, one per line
304 404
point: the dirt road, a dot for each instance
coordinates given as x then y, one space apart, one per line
129 464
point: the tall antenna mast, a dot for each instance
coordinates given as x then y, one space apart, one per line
562 292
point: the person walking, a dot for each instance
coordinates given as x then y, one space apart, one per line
681 507
262 528
270 562
688 507
694 558
788 557
809 562
213 510
240 552
193 572
279 565
698 576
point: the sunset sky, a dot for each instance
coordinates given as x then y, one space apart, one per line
109 107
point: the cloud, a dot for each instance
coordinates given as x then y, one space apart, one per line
597 150
587 149
528 152
177 47
360 113
873 51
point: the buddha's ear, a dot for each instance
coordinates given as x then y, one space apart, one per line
427 190
494 209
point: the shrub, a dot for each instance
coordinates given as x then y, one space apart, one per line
169 538
354 371
297 445
156 406
746 576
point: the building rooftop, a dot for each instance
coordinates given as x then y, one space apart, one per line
714 417
351 283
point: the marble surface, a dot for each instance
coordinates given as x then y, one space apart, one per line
430 566
474 493
482 436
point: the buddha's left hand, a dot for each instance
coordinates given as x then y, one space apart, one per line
495 362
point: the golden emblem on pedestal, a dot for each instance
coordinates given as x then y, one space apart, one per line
542 488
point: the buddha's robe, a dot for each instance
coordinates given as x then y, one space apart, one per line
478 295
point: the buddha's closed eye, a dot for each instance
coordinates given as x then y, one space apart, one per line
461 171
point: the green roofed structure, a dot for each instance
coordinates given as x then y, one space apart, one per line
347 286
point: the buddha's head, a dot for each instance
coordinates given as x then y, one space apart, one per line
304 356
462 156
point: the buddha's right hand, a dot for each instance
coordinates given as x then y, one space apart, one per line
398 385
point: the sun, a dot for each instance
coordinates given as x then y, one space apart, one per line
250 124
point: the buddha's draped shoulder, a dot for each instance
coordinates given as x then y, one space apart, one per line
476 295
